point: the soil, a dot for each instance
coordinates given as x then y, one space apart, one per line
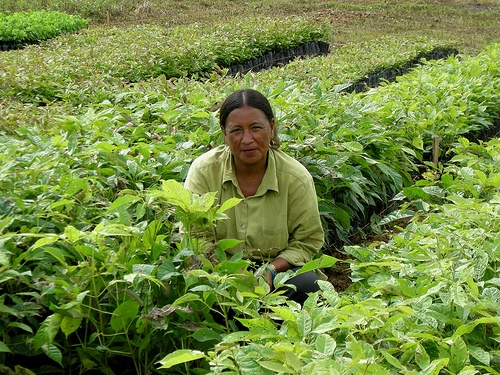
340 274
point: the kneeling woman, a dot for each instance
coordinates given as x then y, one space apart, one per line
278 219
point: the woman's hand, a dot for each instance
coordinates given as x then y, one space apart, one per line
270 270
270 275
267 273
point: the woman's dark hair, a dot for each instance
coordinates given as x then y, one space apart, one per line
252 98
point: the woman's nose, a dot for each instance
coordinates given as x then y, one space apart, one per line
247 136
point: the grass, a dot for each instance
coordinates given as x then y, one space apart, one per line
471 23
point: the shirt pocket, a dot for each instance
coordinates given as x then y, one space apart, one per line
271 240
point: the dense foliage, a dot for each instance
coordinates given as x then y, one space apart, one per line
97 11
426 302
96 276
25 27
90 65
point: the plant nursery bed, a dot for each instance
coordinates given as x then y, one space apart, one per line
277 58
374 79
9 46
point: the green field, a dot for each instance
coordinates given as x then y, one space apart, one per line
472 24
98 128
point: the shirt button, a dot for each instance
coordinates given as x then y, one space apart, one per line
242 226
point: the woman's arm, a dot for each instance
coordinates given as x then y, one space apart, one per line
306 235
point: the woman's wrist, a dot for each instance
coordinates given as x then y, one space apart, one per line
279 265
272 270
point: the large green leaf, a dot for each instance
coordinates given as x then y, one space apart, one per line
123 201
47 331
180 356
276 367
124 314
459 355
325 261
70 324
325 344
4 348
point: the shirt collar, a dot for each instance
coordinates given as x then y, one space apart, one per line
229 174
269 182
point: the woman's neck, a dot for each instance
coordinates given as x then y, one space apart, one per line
249 178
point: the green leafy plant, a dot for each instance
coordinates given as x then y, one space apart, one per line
98 290
27 27
101 264
97 60
424 302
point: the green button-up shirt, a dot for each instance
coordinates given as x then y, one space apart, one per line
281 219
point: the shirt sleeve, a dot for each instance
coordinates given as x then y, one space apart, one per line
195 181
306 236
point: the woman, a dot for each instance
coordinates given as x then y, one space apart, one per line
278 219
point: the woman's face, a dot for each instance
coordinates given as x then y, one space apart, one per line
248 134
